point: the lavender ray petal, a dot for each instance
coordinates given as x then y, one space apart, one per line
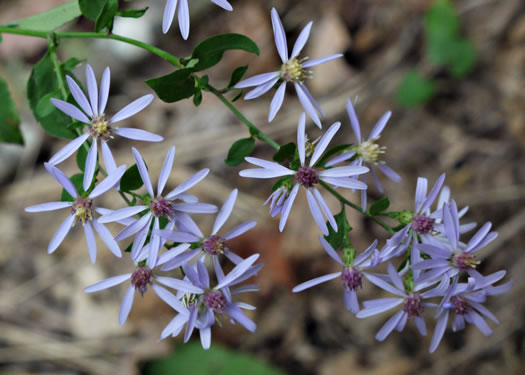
184 19
312 100
277 101
91 242
50 206
365 254
351 302
301 40
316 212
237 271
239 230
439 331
353 120
132 108
169 13
316 281
307 105
261 90
234 258
479 236
108 283
180 260
69 149
389 326
323 144
107 237
402 323
383 285
143 171
154 245
364 199
280 36
205 334
170 299
174 326
79 96
108 182
321 60
262 173
257 80
503 288
104 91
389 172
189 183
223 4
127 303
435 251
430 263
394 276
375 179
421 326
172 253
138 135
177 284
287 207
178 236
109 160
195 208
225 211
340 158
378 128
489 238
459 323
91 165
236 314
347 171
421 193
92 88
324 207
61 233
479 322
349 183
192 318
166 170
451 227
268 165
483 310
202 274
301 141
433 193
185 223
123 213
70 110
144 221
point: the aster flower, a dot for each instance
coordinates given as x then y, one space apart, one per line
100 128
201 310
184 15
140 279
308 177
351 275
367 152
81 209
466 303
453 257
294 70
214 244
411 300
156 206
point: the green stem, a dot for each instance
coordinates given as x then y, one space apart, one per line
343 200
254 130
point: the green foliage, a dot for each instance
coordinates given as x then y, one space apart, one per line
174 86
9 120
77 181
237 75
43 85
132 13
91 8
237 97
414 90
239 150
197 97
283 181
81 157
210 51
339 239
192 359
71 64
107 15
379 206
286 152
131 179
52 19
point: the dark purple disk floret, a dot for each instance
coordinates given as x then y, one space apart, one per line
215 300
141 278
423 224
352 278
214 245
307 177
161 207
413 306
464 261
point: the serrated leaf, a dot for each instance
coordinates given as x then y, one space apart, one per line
131 179
339 239
42 82
107 15
174 86
210 51
239 150
379 206
9 120
237 75
132 13
51 19
414 90
286 152
91 8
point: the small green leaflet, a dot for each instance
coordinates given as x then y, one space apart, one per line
239 150
414 90
173 87
9 120
131 179
52 19
339 239
379 206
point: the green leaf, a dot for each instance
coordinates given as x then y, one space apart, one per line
106 16
197 98
414 90
210 51
237 75
42 82
174 86
339 239
91 8
441 21
81 158
131 179
77 181
71 64
9 120
237 97
52 19
192 359
132 13
239 150
379 206
44 106
286 152
462 57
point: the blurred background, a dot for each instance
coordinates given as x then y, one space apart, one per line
458 107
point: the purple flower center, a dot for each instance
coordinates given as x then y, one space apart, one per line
464 261
161 207
307 177
215 300
100 128
413 306
214 245
82 209
141 278
459 305
352 278
423 224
